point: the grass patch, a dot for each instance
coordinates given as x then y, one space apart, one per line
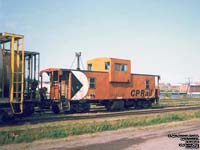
179 102
197 114
58 131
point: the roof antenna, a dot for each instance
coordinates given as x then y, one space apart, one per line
78 55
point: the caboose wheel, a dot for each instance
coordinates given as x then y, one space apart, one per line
139 104
149 103
86 107
108 106
80 107
115 105
55 108
129 103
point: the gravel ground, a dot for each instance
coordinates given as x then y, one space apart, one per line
142 138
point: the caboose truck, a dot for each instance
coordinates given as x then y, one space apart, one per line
107 82
19 71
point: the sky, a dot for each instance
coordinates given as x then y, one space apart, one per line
158 36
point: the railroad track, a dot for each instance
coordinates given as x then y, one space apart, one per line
53 118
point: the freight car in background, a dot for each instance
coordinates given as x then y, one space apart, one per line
107 81
19 74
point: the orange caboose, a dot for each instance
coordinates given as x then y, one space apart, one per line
107 81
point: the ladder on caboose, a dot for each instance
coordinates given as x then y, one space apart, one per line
16 93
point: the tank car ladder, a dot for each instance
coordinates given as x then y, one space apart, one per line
17 85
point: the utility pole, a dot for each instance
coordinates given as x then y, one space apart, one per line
188 85
78 55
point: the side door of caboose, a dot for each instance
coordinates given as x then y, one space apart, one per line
64 84
55 89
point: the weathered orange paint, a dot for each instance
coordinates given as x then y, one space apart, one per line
98 64
117 90
119 76
54 92
112 84
109 83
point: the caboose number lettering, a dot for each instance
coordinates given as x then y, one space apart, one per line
142 93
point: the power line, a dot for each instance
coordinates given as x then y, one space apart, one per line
72 63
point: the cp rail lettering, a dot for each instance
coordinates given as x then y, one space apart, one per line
142 93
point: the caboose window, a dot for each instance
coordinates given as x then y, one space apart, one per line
117 67
147 84
55 76
92 83
124 67
90 67
107 65
121 67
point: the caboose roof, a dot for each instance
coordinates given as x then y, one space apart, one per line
107 58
